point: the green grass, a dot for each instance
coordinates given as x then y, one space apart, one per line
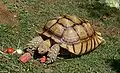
33 14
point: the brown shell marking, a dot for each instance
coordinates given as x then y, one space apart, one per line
50 24
88 28
57 29
67 23
70 29
73 19
70 35
86 46
80 31
77 35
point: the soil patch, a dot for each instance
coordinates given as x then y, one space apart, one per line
113 30
7 17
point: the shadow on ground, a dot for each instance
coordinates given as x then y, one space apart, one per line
97 9
115 64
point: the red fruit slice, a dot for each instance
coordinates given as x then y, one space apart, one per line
25 58
43 59
10 50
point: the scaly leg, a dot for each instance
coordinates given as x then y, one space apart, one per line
52 54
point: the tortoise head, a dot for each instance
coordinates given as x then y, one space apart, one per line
44 47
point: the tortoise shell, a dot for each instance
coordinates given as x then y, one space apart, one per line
72 33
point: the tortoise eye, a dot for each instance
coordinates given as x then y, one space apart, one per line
42 51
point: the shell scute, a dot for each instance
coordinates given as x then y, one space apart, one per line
88 29
88 45
65 22
57 29
74 19
70 48
73 34
84 44
70 36
80 31
76 46
50 23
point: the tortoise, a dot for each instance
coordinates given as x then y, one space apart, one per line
69 32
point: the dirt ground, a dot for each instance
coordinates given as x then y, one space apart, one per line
7 17
11 18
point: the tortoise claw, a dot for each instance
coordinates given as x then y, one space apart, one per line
49 61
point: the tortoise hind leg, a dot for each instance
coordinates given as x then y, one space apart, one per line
53 53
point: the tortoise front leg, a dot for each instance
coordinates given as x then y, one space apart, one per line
52 54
